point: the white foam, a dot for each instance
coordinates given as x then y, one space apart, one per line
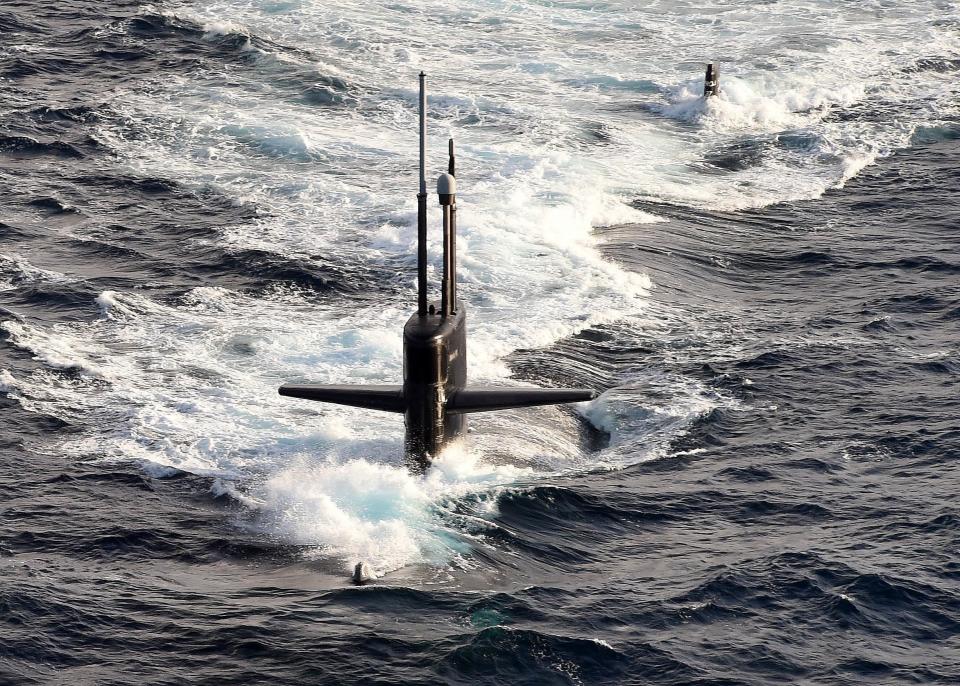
110 304
362 510
59 352
854 163
16 271
771 103
7 381
223 28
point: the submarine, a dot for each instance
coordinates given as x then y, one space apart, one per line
434 396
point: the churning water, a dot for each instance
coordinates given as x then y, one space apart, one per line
203 200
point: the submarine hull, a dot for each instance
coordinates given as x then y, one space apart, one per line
434 370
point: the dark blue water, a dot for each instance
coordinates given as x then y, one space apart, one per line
804 531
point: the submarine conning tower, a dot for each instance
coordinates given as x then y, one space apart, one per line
434 397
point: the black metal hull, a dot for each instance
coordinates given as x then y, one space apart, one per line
434 369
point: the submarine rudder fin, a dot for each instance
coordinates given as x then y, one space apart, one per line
388 398
490 399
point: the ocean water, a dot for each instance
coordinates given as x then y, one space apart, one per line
203 200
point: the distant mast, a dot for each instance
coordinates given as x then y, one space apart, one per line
711 83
